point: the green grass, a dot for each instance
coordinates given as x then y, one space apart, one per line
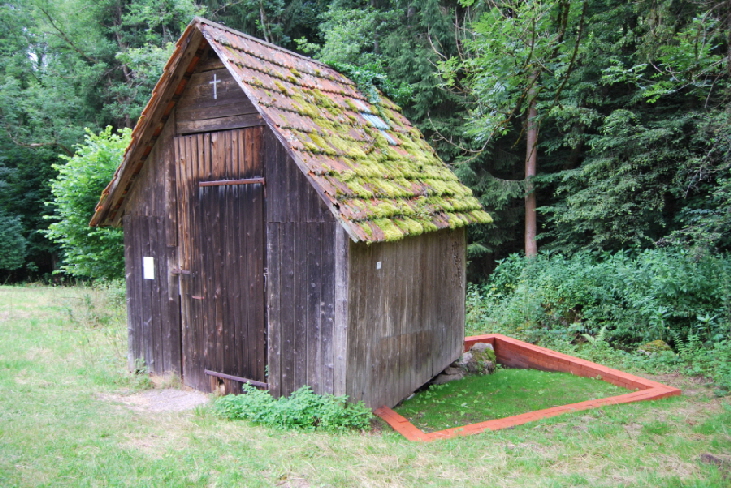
503 394
63 354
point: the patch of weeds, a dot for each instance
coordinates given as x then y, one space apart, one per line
506 393
719 424
656 427
303 410
101 305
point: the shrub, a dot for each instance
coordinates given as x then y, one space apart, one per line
601 307
661 294
88 252
303 410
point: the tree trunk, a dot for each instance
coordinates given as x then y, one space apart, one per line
531 165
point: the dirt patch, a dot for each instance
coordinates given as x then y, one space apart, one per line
167 400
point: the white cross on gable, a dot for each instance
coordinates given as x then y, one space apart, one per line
215 83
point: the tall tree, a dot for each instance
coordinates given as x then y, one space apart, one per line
65 66
519 58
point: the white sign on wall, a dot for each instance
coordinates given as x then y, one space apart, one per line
148 268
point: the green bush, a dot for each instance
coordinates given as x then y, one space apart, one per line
88 252
303 410
601 307
662 294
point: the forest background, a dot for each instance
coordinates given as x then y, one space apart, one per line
623 104
626 102
594 130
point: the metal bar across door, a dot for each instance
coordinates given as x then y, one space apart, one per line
248 181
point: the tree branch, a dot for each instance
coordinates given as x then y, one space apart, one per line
63 36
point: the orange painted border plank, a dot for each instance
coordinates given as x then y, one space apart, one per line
645 390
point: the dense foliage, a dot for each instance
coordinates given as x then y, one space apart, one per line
631 100
302 410
88 252
615 302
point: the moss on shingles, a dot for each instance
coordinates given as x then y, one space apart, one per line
399 190
480 216
409 226
280 87
390 231
358 190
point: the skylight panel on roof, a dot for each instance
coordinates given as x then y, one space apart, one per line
362 106
388 137
376 121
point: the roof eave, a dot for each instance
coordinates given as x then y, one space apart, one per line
108 211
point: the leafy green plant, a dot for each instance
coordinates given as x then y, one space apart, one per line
88 252
654 294
302 410
602 306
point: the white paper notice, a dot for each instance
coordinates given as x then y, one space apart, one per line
148 268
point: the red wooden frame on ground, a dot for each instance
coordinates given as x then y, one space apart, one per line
518 354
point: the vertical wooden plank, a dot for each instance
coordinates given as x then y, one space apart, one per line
181 163
274 187
155 182
145 342
199 344
238 155
161 281
218 240
292 202
172 322
241 219
300 299
232 205
236 270
379 294
315 307
248 264
191 344
414 282
359 326
248 241
131 288
327 231
258 301
273 309
338 354
256 144
171 200
258 148
287 309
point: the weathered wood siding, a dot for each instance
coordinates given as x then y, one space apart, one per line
199 111
406 319
221 251
301 234
222 256
150 230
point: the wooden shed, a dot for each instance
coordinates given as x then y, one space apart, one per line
281 228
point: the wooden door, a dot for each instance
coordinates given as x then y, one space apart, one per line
223 308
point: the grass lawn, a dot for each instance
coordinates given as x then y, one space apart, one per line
507 392
62 357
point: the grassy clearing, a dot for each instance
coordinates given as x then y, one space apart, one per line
59 367
508 392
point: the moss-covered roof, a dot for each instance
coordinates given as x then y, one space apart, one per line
375 171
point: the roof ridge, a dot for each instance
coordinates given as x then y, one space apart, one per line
231 30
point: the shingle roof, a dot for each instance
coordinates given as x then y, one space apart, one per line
376 172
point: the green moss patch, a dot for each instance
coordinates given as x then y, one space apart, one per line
503 394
